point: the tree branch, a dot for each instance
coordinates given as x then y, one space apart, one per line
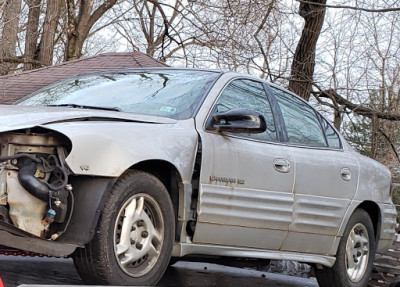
351 7
264 20
390 142
103 8
22 60
358 109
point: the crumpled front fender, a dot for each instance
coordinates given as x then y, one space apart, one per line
107 149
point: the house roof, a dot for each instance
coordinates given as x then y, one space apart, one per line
16 86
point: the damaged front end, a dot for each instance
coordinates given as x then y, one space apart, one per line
36 201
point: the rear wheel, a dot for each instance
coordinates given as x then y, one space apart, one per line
134 237
355 255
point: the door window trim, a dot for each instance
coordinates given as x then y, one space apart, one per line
282 138
317 114
208 120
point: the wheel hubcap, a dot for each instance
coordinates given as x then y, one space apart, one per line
357 252
138 235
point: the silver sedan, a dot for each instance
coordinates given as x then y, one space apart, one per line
127 171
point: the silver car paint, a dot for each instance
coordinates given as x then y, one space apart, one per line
183 249
266 203
387 232
334 208
18 117
374 180
374 185
322 197
241 214
262 204
112 153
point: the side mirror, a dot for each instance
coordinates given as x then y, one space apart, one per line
239 121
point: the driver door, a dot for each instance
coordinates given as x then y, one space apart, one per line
246 182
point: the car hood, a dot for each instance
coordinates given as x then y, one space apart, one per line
18 117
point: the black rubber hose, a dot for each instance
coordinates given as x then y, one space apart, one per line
63 184
26 177
21 155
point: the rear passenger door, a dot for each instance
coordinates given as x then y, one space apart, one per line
326 177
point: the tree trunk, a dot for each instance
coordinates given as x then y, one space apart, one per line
32 35
337 119
46 50
75 31
9 38
302 71
80 21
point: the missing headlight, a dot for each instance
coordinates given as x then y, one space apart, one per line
33 180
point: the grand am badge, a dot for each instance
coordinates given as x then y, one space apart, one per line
225 179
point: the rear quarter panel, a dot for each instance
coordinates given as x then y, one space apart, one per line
374 181
374 185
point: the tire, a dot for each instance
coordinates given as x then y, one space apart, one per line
134 235
359 240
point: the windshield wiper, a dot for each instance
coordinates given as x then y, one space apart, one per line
87 107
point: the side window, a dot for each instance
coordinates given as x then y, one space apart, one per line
331 136
247 94
302 124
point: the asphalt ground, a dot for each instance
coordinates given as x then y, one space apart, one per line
16 271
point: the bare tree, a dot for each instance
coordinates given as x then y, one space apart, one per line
82 15
235 35
302 71
9 37
46 47
31 36
32 33
364 78
161 29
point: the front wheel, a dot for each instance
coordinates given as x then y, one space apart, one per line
355 255
134 237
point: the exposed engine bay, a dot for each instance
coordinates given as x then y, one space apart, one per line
34 192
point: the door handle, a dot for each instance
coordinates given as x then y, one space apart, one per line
345 173
282 165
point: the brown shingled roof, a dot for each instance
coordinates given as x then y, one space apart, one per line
14 87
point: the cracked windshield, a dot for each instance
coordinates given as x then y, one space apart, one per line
172 94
